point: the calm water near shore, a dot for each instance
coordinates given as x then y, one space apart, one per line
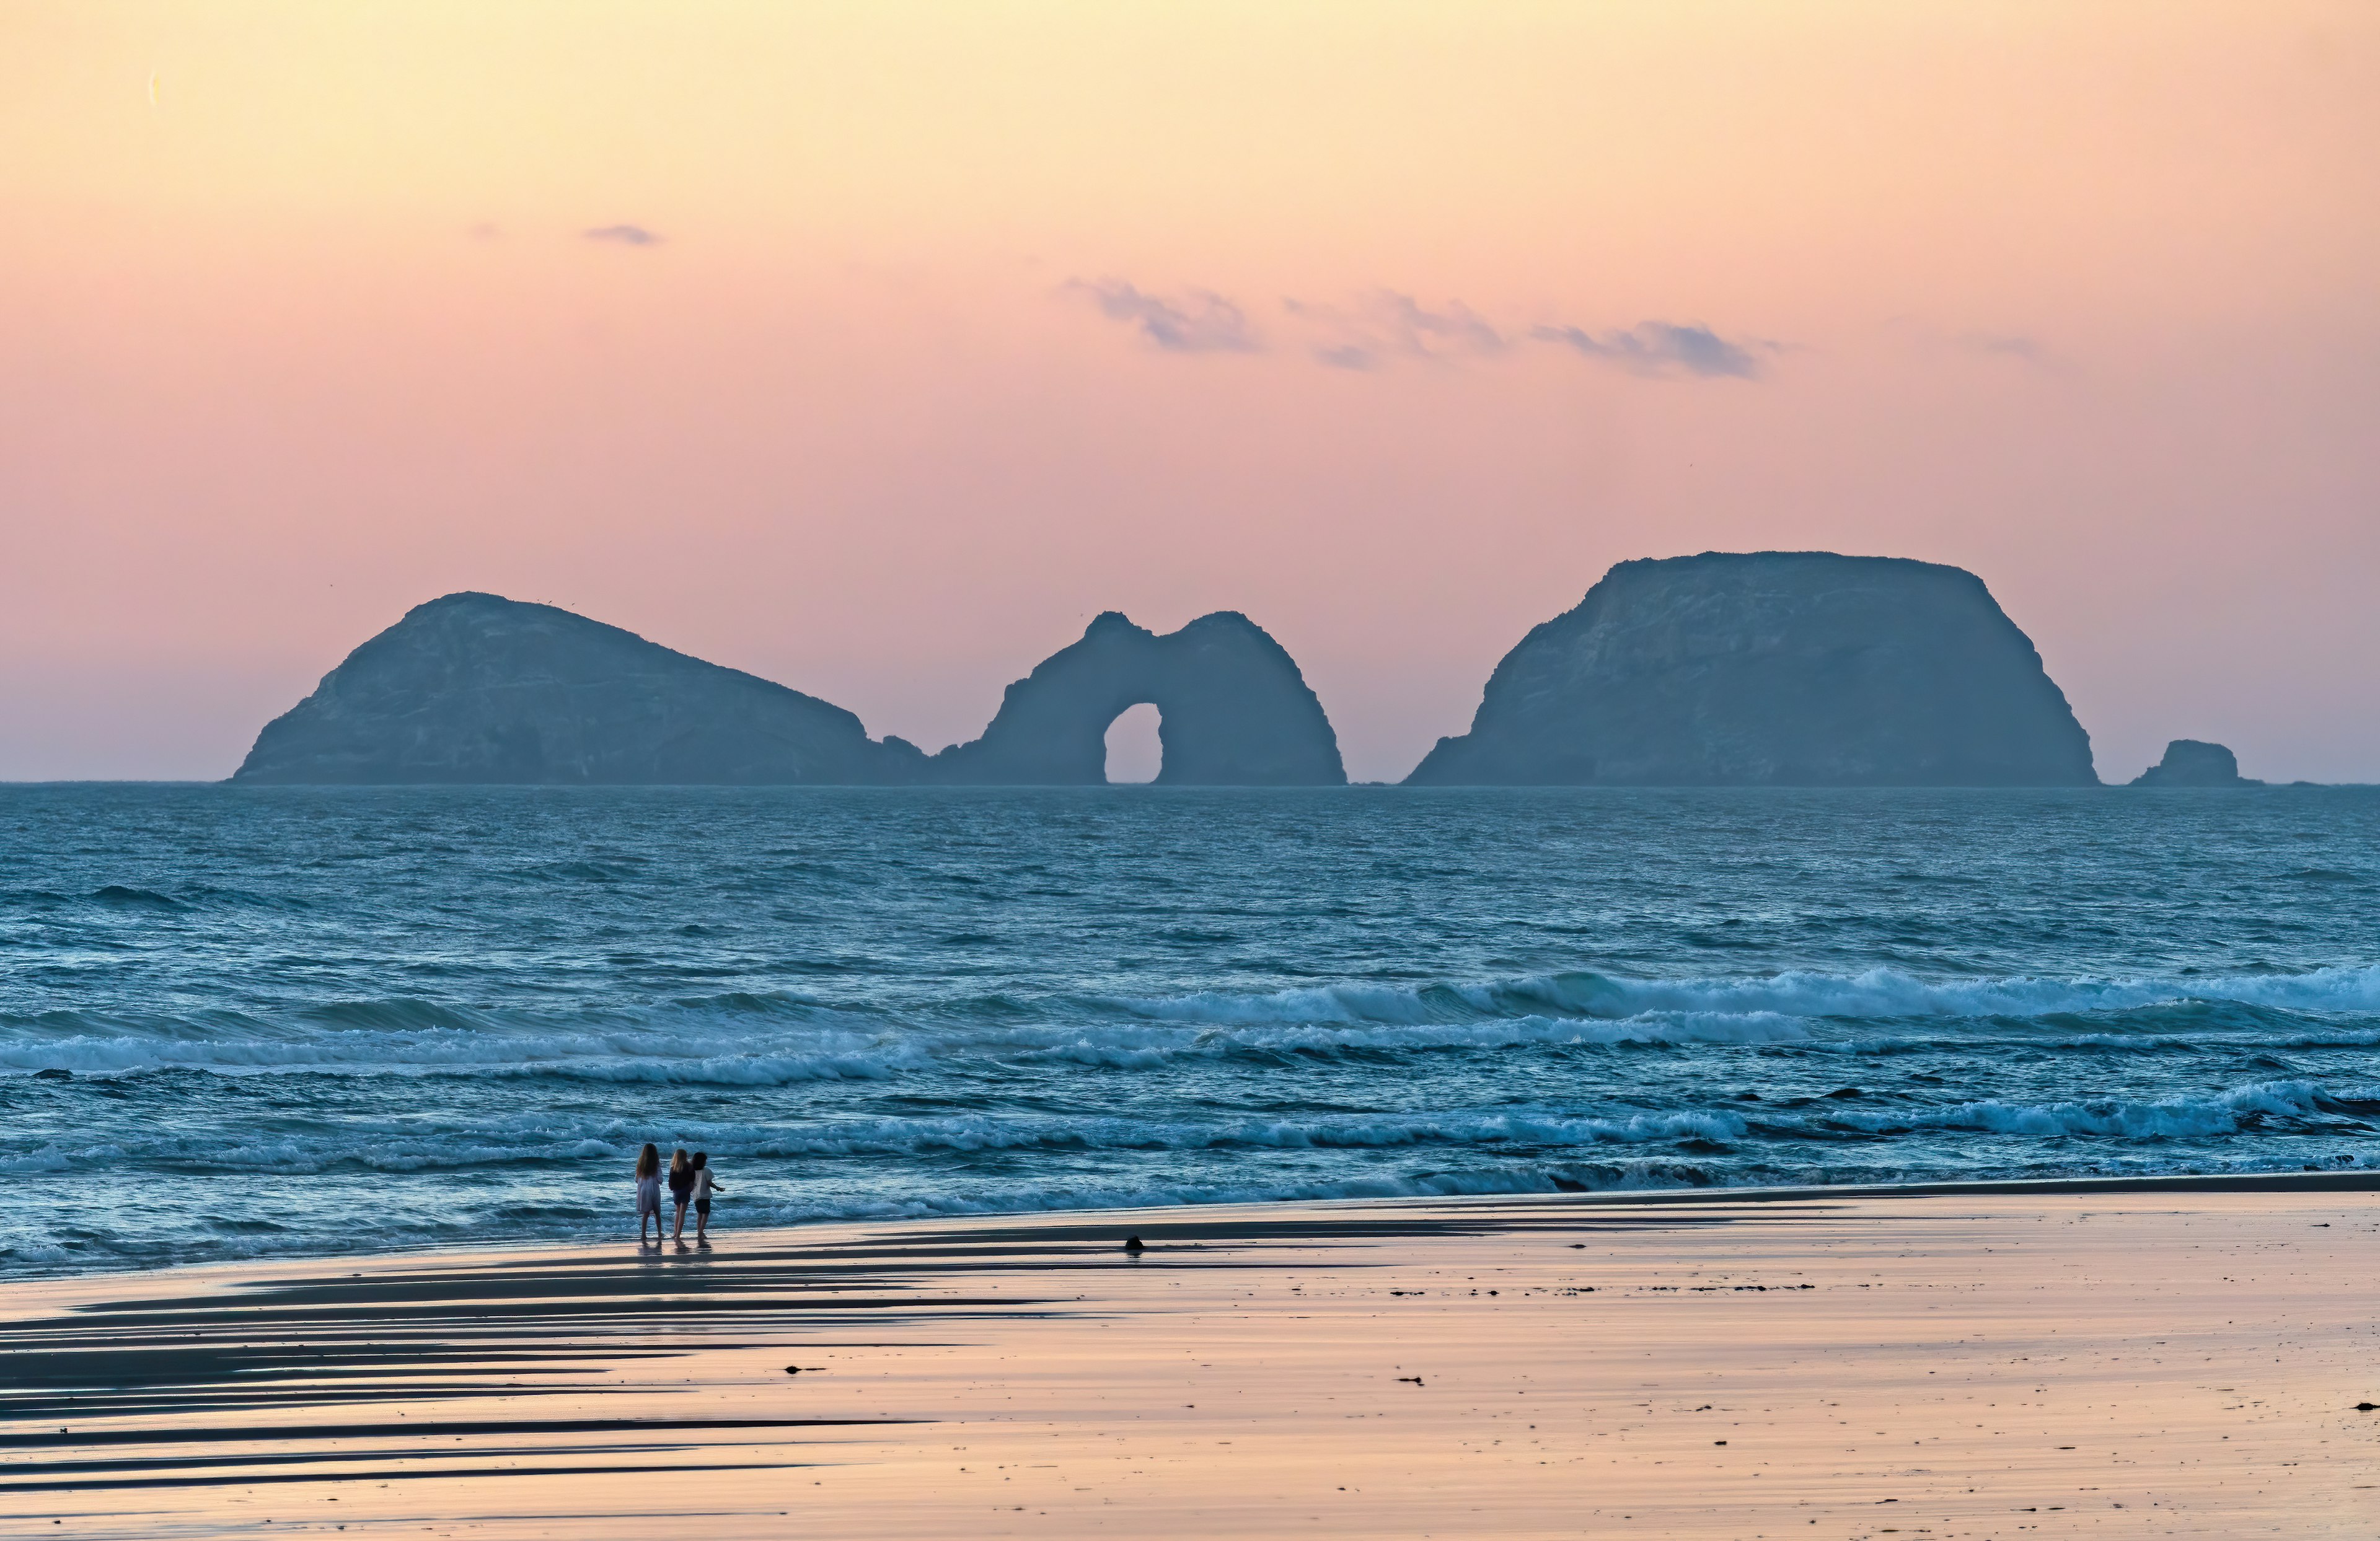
307 1021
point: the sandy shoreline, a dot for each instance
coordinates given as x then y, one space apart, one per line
2175 1357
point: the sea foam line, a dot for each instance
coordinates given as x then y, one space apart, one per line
428 1143
770 1040
1872 993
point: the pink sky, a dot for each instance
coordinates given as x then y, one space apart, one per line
876 347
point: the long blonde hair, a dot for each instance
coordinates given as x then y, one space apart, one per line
678 1162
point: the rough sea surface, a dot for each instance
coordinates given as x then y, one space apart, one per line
314 1021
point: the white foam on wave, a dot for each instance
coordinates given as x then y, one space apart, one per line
1872 993
1133 1046
715 1044
785 1057
625 1055
424 1145
427 1144
2161 1119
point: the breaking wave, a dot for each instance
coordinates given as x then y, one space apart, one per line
1870 995
426 1144
777 1038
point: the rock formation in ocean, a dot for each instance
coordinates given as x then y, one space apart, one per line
1233 711
472 687
1772 668
2190 762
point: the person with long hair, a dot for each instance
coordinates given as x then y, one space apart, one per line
648 1191
681 1182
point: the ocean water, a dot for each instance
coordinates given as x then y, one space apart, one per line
308 1021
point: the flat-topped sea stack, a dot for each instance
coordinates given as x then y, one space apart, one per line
1234 710
1772 669
475 688
2192 762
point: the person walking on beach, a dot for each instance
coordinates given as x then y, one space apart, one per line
681 1182
648 1191
704 1186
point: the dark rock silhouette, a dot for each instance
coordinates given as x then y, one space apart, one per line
1772 668
1234 711
472 687
477 689
2188 762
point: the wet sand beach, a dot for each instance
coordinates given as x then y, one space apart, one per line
2165 1358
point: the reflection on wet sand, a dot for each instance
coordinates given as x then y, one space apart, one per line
2152 1358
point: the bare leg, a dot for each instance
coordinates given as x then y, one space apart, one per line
678 1235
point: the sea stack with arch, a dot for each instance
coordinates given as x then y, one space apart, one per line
1233 709
478 688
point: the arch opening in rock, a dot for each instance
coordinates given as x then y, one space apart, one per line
1136 752
1233 711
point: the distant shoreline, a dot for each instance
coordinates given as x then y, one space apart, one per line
1153 786
1185 1219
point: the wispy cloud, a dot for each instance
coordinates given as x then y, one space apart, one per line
1660 347
2012 344
1194 321
1346 355
1922 339
623 235
1386 325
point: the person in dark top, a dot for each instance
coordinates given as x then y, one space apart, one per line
681 1181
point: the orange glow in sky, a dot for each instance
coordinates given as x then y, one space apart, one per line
876 346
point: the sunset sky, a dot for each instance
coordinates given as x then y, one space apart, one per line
875 347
